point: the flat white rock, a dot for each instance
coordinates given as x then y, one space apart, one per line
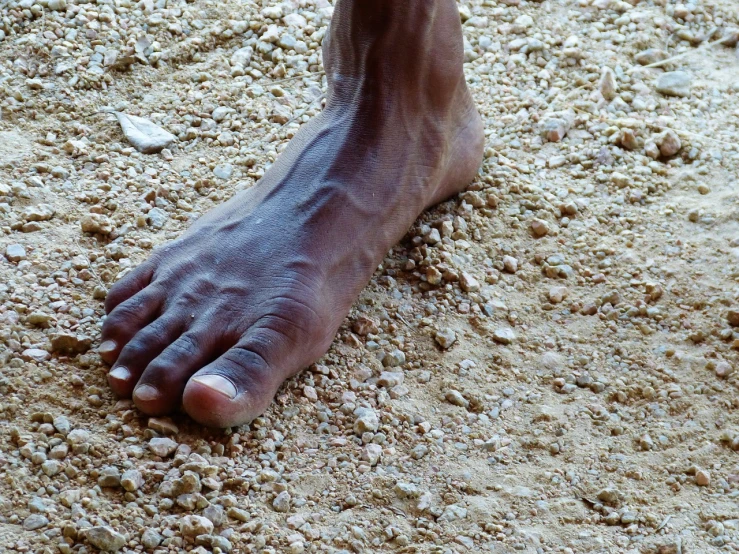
144 136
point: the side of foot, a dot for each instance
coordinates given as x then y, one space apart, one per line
256 289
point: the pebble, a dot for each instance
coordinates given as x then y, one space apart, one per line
163 425
732 316
36 354
455 398
510 264
62 425
389 379
70 343
151 538
109 477
105 538
132 480
674 83
468 282
557 294
372 454
702 478
192 526
540 228
445 337
157 218
669 143
96 223
144 135
162 446
223 171
35 521
504 335
650 56
723 369
15 252
607 84
366 421
281 503
41 212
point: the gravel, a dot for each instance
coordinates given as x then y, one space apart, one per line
567 325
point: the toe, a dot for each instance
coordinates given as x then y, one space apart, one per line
231 391
130 284
145 346
159 391
127 319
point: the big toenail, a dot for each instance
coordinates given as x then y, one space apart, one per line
218 384
121 373
107 347
146 393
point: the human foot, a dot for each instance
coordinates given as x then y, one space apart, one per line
256 289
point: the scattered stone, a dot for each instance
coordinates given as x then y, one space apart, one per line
669 143
510 264
674 83
732 316
41 212
372 454
96 223
15 253
223 171
105 538
366 421
162 446
109 477
132 480
163 425
468 282
281 503
157 218
504 335
35 521
723 369
702 478
35 354
445 337
540 227
193 526
557 294
144 136
150 538
364 326
607 85
455 398
650 56
70 344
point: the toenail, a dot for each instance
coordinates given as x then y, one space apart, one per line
121 373
107 347
218 384
146 393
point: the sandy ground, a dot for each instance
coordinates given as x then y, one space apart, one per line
547 363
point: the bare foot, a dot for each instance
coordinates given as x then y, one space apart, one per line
256 289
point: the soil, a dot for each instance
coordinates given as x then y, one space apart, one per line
547 363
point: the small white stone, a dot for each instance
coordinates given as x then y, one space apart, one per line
281 503
510 264
607 85
162 446
445 337
504 335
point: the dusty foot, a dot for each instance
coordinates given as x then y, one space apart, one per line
256 289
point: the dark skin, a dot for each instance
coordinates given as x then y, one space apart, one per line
256 289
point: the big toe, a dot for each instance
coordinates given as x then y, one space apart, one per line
231 391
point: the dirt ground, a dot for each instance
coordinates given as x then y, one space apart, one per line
547 363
